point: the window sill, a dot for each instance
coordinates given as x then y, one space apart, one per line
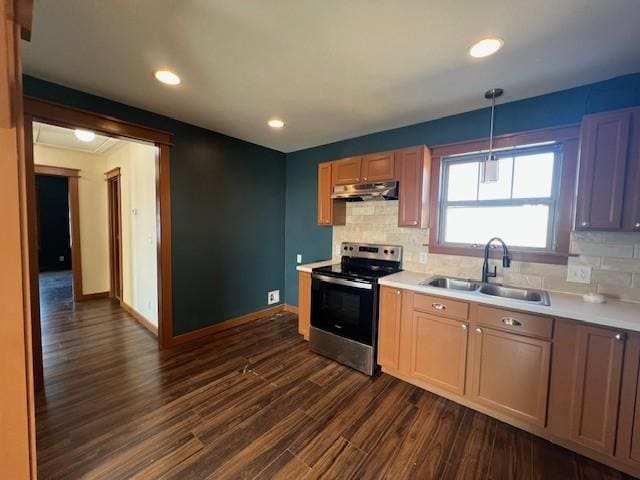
555 258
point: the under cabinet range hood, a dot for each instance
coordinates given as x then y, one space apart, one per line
366 191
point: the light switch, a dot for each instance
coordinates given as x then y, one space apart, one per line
299 258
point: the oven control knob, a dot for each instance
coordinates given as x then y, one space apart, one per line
392 252
386 251
350 248
346 248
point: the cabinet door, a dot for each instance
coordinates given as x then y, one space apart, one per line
628 444
632 192
389 327
378 167
413 165
324 194
604 149
511 374
304 303
597 388
346 171
439 351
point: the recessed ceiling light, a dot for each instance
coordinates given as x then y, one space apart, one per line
275 123
85 135
167 77
486 47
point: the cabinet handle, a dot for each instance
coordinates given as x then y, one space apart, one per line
397 292
464 326
479 330
637 225
511 322
364 178
621 336
439 306
584 224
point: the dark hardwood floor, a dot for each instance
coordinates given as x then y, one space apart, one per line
253 402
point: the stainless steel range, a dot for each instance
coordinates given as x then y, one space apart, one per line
344 304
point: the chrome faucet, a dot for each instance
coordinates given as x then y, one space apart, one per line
506 260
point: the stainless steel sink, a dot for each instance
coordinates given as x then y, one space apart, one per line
538 297
452 284
515 293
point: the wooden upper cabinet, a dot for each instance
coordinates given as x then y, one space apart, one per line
324 194
511 374
439 351
413 167
596 395
304 303
389 327
604 153
631 215
378 167
346 171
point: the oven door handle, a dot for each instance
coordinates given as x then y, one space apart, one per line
341 281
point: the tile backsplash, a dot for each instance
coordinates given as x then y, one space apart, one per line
614 257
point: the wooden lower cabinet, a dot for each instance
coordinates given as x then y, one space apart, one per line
511 374
628 440
304 303
575 384
389 327
596 392
439 351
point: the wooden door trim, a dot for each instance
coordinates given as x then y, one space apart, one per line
72 175
17 193
113 176
60 115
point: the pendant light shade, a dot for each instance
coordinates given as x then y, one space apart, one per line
489 171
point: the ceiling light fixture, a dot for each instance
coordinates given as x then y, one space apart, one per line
84 135
275 123
167 77
486 47
489 169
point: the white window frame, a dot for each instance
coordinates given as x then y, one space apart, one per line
551 202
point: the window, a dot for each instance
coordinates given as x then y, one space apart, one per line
520 207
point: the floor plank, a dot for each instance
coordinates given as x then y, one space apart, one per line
252 402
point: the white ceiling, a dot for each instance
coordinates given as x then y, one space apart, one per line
332 69
59 137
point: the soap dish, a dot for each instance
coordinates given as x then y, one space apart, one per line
594 298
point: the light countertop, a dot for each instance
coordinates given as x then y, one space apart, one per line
614 313
310 266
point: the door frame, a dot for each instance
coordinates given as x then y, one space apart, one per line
63 116
111 177
72 175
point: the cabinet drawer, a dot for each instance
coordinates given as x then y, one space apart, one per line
516 322
443 307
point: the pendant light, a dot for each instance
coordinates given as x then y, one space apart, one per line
489 169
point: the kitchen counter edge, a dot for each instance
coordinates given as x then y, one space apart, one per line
613 314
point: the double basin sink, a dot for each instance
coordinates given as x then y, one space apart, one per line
526 295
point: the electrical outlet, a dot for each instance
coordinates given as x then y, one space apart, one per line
299 258
61 258
579 274
273 297
423 257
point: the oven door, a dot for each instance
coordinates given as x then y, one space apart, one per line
344 307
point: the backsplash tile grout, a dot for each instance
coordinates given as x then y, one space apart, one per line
614 257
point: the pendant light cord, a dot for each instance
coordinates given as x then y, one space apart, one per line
493 106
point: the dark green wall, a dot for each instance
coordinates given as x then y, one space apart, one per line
228 204
564 107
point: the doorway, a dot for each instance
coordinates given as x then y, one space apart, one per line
58 224
114 205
